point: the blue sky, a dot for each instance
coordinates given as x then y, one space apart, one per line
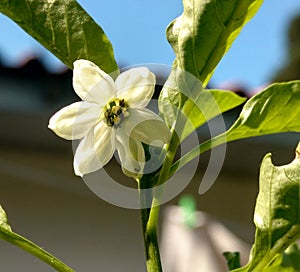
136 29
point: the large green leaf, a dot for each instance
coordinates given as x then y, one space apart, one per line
274 110
200 37
205 31
64 28
277 212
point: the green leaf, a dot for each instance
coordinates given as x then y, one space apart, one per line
183 100
179 87
200 37
233 259
8 235
277 212
64 28
288 261
3 220
209 104
205 31
274 110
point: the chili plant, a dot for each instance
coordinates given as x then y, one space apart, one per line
112 115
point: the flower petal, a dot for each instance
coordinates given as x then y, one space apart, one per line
131 154
74 121
136 86
91 83
146 126
105 142
95 150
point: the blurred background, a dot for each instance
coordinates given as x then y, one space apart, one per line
47 203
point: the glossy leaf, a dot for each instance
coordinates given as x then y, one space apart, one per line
274 110
200 37
183 100
277 212
209 104
3 220
205 31
64 28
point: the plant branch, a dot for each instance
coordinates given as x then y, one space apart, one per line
33 249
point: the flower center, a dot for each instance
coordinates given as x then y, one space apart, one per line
115 112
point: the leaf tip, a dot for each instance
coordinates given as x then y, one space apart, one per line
3 219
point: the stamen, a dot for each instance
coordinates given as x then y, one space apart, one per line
115 113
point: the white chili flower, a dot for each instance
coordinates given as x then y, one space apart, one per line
111 116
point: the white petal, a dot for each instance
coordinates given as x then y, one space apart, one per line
74 121
91 83
104 137
136 86
98 141
85 158
131 154
146 126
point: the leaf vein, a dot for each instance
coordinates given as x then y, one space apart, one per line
50 18
67 32
30 12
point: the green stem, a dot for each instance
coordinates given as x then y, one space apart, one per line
149 218
33 249
150 215
197 151
153 261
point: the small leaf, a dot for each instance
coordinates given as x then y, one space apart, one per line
274 110
64 28
209 104
183 100
233 259
205 31
3 220
288 261
179 87
277 212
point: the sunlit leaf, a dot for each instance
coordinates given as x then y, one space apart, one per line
3 220
183 100
205 31
277 212
200 37
274 110
64 28
209 104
